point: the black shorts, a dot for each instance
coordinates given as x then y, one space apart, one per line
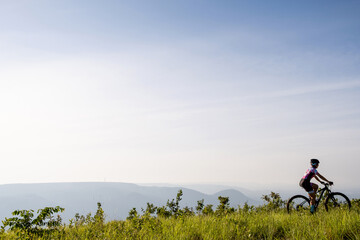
306 185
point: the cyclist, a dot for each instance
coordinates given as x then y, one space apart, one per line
310 187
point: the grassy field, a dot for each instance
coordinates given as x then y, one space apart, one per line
270 221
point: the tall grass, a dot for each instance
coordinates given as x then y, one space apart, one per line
265 222
253 225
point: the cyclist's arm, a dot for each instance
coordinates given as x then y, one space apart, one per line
317 178
320 176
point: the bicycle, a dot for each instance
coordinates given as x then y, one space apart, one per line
334 200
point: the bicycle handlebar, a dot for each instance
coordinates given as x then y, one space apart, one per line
327 184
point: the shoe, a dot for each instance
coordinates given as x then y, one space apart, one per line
312 208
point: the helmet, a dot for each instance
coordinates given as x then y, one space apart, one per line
314 162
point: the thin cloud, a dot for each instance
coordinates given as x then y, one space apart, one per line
316 89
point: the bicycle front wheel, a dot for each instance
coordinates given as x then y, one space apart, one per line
337 200
298 203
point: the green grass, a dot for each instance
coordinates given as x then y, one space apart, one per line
237 225
269 221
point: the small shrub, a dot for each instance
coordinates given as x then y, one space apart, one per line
28 227
273 201
208 210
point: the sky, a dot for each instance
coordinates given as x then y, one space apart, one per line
220 92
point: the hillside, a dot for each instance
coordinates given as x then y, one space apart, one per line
116 198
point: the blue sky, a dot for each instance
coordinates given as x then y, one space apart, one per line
179 91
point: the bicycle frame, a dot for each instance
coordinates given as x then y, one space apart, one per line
322 191
331 200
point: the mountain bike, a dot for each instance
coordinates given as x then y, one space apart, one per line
333 200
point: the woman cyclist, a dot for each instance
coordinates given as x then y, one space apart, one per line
310 187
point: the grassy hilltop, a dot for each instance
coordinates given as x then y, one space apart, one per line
269 221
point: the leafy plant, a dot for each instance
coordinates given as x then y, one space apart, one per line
224 206
174 205
26 226
132 214
208 210
273 201
200 206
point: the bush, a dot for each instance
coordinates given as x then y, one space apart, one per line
273 201
26 227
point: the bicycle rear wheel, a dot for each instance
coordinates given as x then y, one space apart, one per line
298 203
337 200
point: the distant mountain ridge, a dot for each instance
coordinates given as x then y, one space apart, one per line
116 198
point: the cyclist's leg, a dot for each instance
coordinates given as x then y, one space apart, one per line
307 186
315 187
312 193
312 196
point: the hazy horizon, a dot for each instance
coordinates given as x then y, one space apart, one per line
179 91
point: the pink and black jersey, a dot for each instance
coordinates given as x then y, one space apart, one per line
310 173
